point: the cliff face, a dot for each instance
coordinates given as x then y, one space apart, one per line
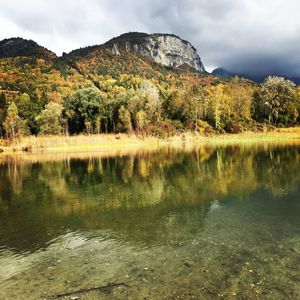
165 49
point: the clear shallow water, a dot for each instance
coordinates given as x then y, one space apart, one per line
208 223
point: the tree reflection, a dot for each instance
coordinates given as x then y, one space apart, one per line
143 198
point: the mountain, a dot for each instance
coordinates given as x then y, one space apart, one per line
154 82
14 47
222 73
295 79
165 49
226 74
117 65
32 76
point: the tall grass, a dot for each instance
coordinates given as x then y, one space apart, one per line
110 142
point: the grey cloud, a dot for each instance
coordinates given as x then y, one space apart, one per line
245 36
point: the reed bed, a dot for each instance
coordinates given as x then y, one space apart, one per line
110 143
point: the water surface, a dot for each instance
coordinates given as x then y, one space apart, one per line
203 223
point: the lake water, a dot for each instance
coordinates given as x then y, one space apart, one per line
200 223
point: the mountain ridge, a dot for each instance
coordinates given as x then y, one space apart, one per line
125 86
131 41
224 73
16 46
166 49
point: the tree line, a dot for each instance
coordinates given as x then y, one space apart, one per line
230 106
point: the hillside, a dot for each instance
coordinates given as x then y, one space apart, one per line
155 84
25 67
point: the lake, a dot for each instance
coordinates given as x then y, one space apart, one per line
192 223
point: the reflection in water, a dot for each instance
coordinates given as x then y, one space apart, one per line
210 216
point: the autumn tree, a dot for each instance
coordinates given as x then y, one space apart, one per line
194 106
141 120
144 104
240 95
219 108
298 102
276 101
125 119
13 125
153 103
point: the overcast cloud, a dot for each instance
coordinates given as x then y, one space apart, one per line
256 36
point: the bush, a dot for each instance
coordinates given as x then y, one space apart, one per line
164 129
233 127
202 126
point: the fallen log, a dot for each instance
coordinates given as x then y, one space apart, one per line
105 289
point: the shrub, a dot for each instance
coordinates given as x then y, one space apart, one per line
233 127
202 126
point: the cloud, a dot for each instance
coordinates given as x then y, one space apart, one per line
244 36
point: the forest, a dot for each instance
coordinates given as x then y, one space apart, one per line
93 94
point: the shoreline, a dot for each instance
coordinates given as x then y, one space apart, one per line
127 142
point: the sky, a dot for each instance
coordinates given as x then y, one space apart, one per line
244 36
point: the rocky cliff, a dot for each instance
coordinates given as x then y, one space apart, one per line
166 49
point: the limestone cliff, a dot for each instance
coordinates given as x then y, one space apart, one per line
166 49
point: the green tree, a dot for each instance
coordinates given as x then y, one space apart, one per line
110 116
50 119
3 108
83 110
29 107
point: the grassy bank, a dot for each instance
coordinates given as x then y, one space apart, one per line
110 142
